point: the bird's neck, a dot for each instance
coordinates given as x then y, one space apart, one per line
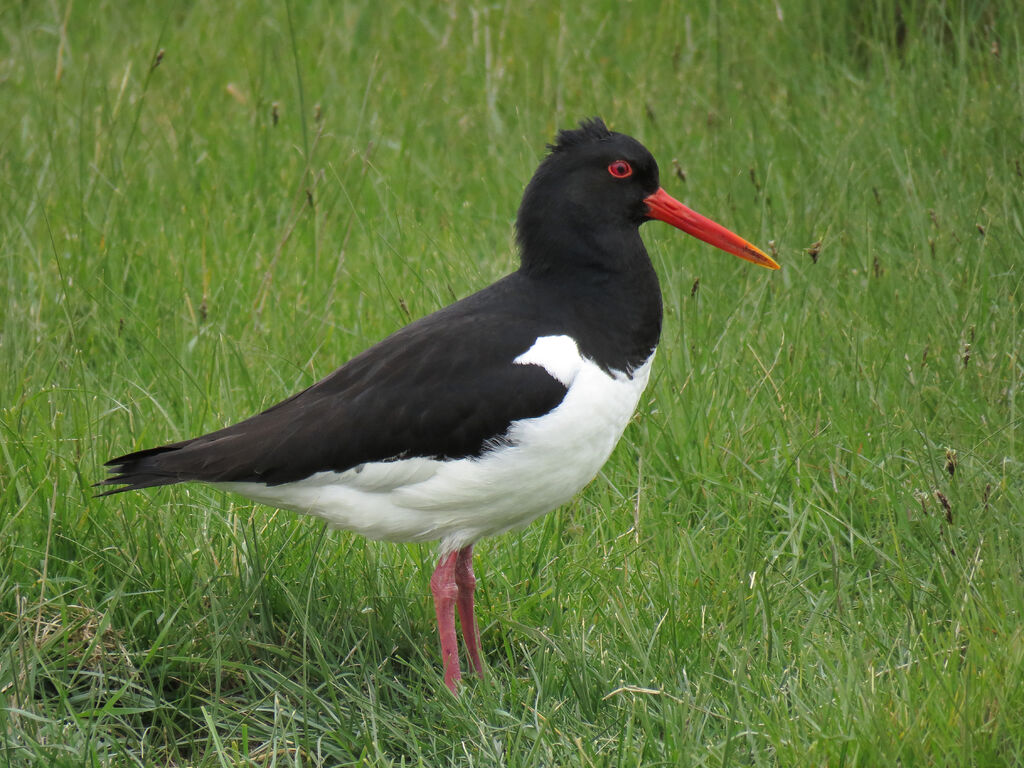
610 291
550 243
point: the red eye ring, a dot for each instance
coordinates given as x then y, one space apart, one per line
620 169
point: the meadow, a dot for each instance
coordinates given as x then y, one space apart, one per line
808 549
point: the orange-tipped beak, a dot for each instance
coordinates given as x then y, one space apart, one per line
662 206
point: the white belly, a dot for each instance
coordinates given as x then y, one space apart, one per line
548 459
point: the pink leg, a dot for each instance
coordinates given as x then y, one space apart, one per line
443 585
466 582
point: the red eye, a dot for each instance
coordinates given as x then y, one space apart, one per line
620 169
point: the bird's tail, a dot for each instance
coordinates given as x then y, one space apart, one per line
144 469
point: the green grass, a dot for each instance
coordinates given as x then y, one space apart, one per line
765 573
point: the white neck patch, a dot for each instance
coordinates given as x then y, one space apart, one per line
558 355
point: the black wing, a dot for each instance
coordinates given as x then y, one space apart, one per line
443 387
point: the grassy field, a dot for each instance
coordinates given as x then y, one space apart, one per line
807 550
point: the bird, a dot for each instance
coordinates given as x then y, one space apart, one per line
488 413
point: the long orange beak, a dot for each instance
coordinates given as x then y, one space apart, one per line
662 206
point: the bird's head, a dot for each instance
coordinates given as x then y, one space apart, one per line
598 185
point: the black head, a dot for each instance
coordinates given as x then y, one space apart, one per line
587 196
586 202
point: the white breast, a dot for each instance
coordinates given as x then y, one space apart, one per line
543 463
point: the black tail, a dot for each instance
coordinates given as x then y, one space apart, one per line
144 469
232 453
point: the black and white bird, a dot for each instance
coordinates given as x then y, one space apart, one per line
488 413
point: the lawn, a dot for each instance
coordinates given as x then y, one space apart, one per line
808 549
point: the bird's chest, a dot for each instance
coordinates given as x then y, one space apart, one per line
578 436
541 462
563 450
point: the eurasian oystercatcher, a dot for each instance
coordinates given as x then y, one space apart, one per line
488 413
